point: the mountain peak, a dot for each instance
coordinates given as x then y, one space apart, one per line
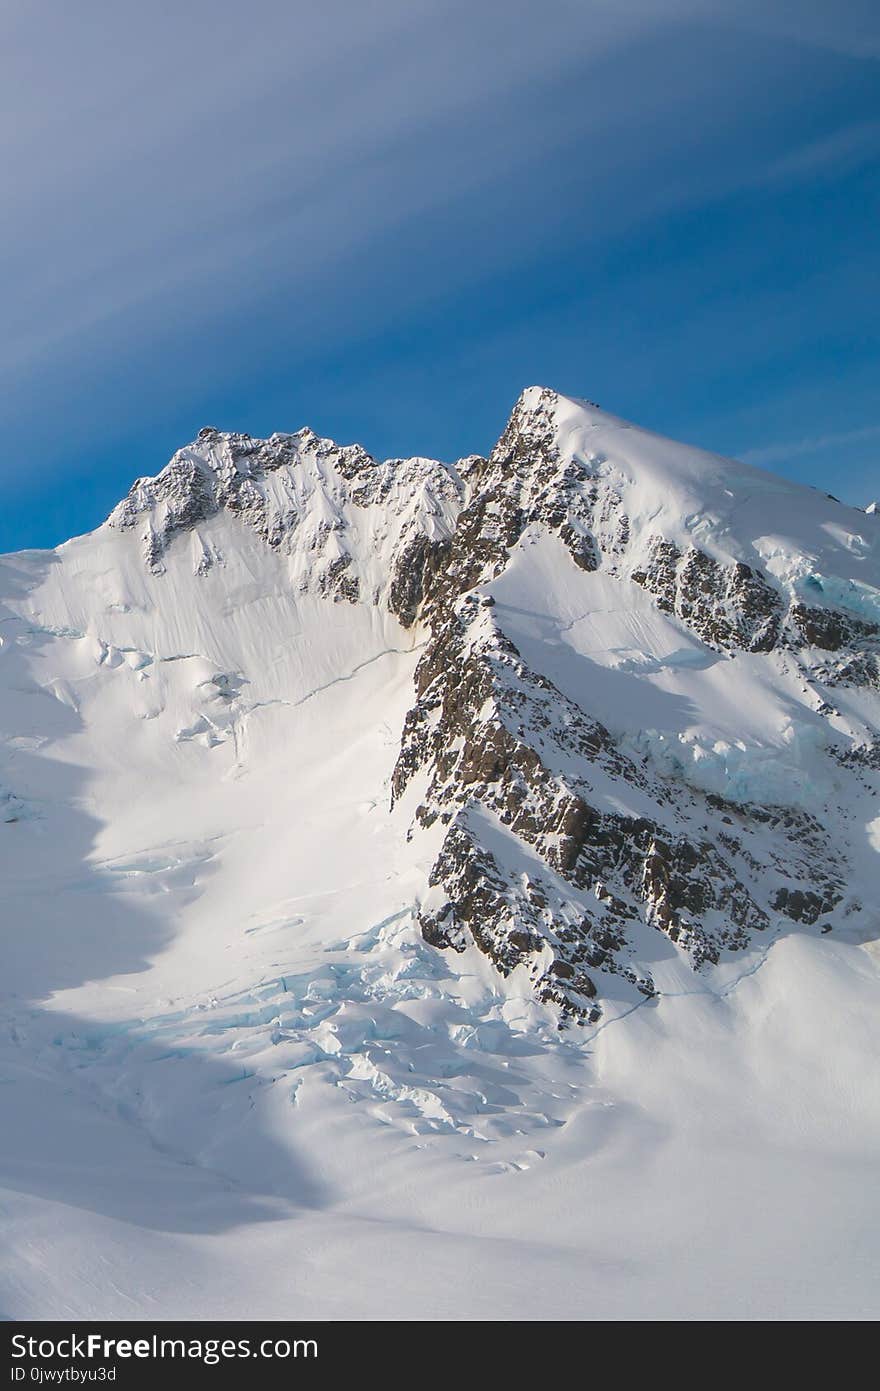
346 801
617 494
535 420
627 532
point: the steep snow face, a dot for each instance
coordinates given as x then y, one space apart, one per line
348 526
730 510
394 848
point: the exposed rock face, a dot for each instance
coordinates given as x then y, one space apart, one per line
728 606
511 760
560 849
854 642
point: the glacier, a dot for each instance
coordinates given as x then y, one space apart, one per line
443 890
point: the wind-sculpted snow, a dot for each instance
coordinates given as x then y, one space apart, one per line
399 853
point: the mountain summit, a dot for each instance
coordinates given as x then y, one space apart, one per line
395 783
641 687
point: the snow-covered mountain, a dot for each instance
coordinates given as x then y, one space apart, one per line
346 804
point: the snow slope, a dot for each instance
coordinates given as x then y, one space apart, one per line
308 978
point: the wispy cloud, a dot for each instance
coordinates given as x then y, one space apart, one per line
200 195
835 155
811 444
209 148
157 157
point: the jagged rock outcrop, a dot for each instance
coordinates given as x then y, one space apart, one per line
352 528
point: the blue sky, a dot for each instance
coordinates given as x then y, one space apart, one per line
383 219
